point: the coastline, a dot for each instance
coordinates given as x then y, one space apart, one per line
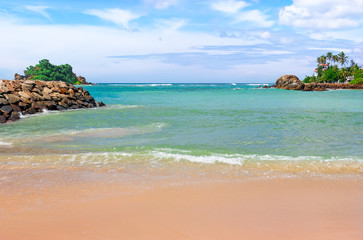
186 162
292 82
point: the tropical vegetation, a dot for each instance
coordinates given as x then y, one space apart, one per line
336 69
46 71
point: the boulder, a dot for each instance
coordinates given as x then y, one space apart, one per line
3 101
289 82
14 116
15 108
12 98
29 97
47 90
6 109
18 77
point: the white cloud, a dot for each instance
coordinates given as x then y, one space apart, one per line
39 9
171 24
162 4
115 15
229 6
346 50
89 46
254 16
322 14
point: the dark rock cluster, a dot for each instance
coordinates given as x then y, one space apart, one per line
291 82
28 97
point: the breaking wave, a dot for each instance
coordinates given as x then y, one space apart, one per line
160 158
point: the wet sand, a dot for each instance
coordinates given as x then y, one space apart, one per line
295 208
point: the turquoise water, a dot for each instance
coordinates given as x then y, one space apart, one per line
207 123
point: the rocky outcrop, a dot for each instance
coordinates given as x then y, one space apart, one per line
337 85
21 97
291 82
81 80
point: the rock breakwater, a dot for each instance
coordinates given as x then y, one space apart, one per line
21 97
291 82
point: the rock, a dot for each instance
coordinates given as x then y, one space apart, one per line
30 111
64 90
29 82
24 104
14 116
2 119
60 108
6 109
289 82
28 97
26 87
47 90
12 98
3 101
19 77
4 89
46 96
15 108
37 96
82 80
40 84
50 105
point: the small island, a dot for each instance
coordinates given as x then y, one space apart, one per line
327 75
45 71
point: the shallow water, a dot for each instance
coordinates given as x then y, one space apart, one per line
236 129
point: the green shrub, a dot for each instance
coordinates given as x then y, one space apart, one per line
309 79
358 80
46 71
331 75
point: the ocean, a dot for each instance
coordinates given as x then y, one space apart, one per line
159 130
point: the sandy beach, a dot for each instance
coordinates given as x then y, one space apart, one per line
290 208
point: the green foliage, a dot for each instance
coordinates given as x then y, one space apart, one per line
332 73
308 79
358 77
46 71
358 81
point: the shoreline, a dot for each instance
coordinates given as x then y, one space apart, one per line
296 208
292 82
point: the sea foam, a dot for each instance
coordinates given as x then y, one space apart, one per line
5 144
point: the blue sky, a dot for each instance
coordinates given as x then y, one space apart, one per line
179 40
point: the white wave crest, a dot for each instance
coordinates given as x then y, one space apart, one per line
258 84
123 106
5 144
239 159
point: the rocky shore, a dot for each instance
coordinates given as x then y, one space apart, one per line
21 97
291 82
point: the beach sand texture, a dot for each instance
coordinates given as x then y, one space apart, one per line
299 208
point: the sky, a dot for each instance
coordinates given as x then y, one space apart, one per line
225 41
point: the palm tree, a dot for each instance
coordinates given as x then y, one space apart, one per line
343 74
335 58
323 59
329 56
342 58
